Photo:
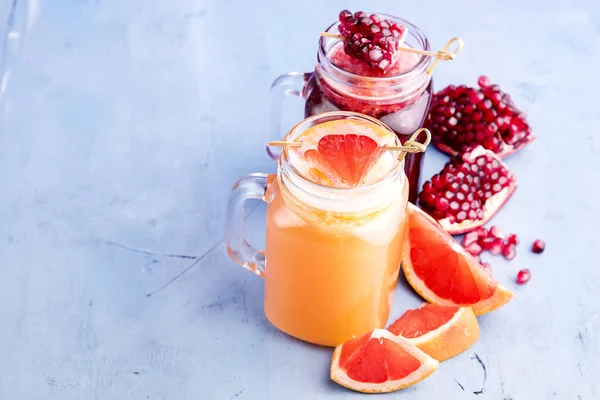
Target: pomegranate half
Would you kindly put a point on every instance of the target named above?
(462, 117)
(469, 190)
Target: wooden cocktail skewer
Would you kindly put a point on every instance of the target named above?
(282, 143)
(443, 55)
(410, 146)
(446, 51)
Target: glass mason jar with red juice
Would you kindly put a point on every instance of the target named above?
(400, 97)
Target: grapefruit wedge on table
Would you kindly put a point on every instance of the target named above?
(379, 362)
(442, 272)
(440, 331)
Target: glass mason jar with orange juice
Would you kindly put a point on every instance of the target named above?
(334, 231)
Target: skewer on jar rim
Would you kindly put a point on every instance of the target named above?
(445, 54)
(412, 145)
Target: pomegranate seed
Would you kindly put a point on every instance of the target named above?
(496, 232)
(513, 239)
(345, 15)
(469, 238)
(523, 276)
(370, 38)
(473, 249)
(477, 183)
(497, 246)
(538, 246)
(483, 80)
(480, 232)
(483, 116)
(509, 251)
(442, 203)
(487, 242)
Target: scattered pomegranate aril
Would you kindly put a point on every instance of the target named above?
(371, 38)
(486, 243)
(512, 239)
(476, 183)
(481, 232)
(538, 246)
(462, 116)
(523, 276)
(509, 251)
(496, 232)
(473, 249)
(497, 246)
(471, 237)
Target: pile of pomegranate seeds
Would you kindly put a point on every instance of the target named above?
(491, 240)
(371, 38)
(462, 116)
(468, 191)
(538, 246)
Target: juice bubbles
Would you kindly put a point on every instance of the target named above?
(333, 249)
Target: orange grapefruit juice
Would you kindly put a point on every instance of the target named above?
(333, 257)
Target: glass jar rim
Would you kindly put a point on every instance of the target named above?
(418, 69)
(287, 167)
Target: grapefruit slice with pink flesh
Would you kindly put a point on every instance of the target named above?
(440, 331)
(442, 272)
(379, 362)
(350, 156)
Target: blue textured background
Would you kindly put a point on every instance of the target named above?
(123, 126)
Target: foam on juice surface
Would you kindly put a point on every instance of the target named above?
(345, 201)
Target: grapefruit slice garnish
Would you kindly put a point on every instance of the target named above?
(348, 157)
(379, 362)
(440, 331)
(320, 172)
(442, 272)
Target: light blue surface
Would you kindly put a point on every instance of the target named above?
(124, 125)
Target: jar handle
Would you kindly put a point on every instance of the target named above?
(252, 186)
(290, 84)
